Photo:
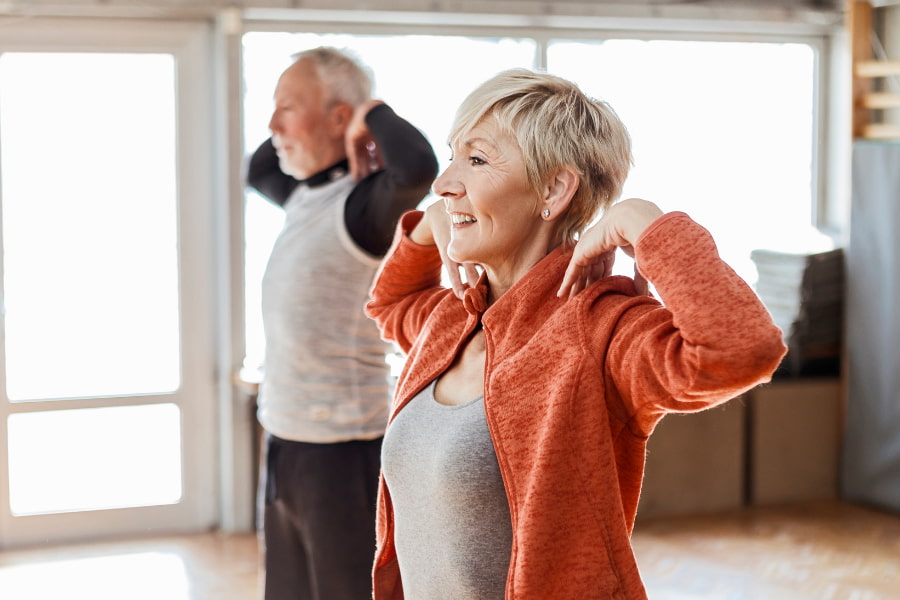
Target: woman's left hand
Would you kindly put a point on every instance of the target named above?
(594, 253)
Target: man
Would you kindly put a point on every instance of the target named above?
(349, 166)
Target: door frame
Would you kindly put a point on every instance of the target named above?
(198, 396)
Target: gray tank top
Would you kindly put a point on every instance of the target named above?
(452, 526)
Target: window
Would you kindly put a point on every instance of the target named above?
(89, 239)
(721, 130)
(90, 264)
(724, 131)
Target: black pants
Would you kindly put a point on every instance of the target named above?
(318, 510)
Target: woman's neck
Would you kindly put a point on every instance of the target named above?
(501, 279)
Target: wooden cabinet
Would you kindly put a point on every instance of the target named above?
(777, 444)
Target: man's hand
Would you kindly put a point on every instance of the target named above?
(362, 152)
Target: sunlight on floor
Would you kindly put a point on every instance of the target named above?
(140, 576)
(204, 566)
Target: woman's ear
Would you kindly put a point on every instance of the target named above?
(559, 191)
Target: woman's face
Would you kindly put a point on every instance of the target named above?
(493, 209)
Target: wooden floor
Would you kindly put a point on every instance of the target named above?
(809, 552)
(819, 551)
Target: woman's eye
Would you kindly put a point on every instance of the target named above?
(474, 160)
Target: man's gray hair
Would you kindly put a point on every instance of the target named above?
(345, 78)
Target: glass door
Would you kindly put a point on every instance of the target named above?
(106, 378)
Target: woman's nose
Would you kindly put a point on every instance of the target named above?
(446, 184)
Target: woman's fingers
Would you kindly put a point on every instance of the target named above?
(583, 270)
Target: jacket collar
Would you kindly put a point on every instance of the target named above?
(531, 299)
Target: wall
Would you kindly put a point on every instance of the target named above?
(774, 10)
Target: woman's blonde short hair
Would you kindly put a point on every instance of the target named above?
(555, 125)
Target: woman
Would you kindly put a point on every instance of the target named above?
(513, 461)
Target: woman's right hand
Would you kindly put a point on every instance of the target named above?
(434, 228)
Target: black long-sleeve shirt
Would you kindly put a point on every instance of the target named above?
(377, 201)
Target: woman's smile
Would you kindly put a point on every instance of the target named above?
(459, 219)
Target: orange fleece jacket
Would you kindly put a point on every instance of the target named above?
(573, 388)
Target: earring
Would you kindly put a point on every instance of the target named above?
(546, 213)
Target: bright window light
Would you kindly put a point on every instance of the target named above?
(721, 131)
(90, 248)
(100, 458)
